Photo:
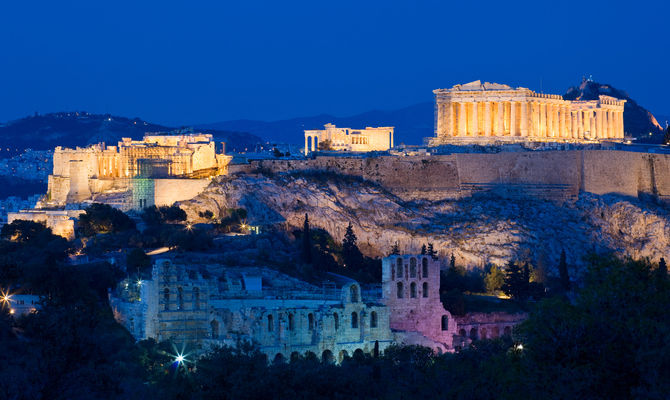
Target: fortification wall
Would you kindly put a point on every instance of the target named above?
(168, 191)
(554, 175)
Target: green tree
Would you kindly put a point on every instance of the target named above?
(306, 241)
(516, 281)
(563, 272)
(452, 262)
(351, 255)
(395, 251)
(662, 267)
(102, 218)
(494, 280)
(431, 251)
(138, 260)
(423, 249)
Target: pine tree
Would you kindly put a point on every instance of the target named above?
(662, 268)
(306, 242)
(563, 272)
(516, 281)
(350, 253)
(423, 250)
(431, 251)
(452, 263)
(395, 251)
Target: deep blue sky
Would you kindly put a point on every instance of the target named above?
(204, 61)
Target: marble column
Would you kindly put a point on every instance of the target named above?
(500, 127)
(524, 118)
(487, 118)
(610, 124)
(461, 119)
(561, 127)
(599, 124)
(475, 119)
(543, 119)
(512, 118)
(621, 128)
(450, 125)
(580, 125)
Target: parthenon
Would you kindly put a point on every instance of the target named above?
(487, 112)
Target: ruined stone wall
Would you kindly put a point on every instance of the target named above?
(554, 175)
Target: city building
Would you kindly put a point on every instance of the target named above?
(486, 112)
(347, 139)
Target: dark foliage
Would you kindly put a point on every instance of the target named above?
(165, 214)
(102, 218)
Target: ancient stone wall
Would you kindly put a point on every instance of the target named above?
(553, 175)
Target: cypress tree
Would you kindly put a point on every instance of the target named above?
(423, 249)
(306, 242)
(395, 251)
(452, 263)
(431, 251)
(662, 268)
(350, 253)
(516, 281)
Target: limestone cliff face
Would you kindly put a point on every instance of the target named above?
(477, 230)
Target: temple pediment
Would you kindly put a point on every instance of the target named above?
(478, 86)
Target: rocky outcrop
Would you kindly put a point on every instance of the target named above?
(477, 230)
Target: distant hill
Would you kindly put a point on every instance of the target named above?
(71, 129)
(412, 124)
(638, 121)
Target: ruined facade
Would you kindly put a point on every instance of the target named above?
(347, 139)
(486, 112)
(213, 305)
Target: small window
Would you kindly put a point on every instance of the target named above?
(166, 298)
(290, 322)
(412, 290)
(412, 267)
(196, 298)
(400, 290)
(424, 289)
(310, 321)
(445, 323)
(354, 320)
(336, 319)
(373, 319)
(180, 298)
(399, 274)
(354, 293)
(424, 265)
(271, 324)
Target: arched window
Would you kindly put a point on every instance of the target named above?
(196, 298)
(424, 265)
(412, 290)
(373, 319)
(354, 293)
(336, 318)
(354, 320)
(412, 267)
(166, 298)
(290, 322)
(462, 332)
(445, 323)
(310, 321)
(424, 289)
(180, 298)
(271, 324)
(399, 275)
(473, 333)
(483, 333)
(400, 290)
(215, 329)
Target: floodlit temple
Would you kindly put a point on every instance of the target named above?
(490, 112)
(347, 139)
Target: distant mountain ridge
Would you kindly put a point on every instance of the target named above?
(80, 128)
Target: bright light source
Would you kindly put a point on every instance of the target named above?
(179, 359)
(519, 347)
(189, 227)
(11, 311)
(139, 282)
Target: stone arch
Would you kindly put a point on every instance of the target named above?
(373, 319)
(291, 322)
(354, 320)
(483, 333)
(424, 289)
(279, 359)
(271, 324)
(445, 323)
(310, 321)
(295, 356)
(214, 326)
(400, 290)
(196, 298)
(495, 332)
(412, 290)
(327, 357)
(507, 331)
(424, 267)
(166, 299)
(342, 356)
(462, 332)
(336, 320)
(353, 293)
(473, 333)
(412, 267)
(399, 273)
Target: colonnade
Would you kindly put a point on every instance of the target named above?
(546, 116)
